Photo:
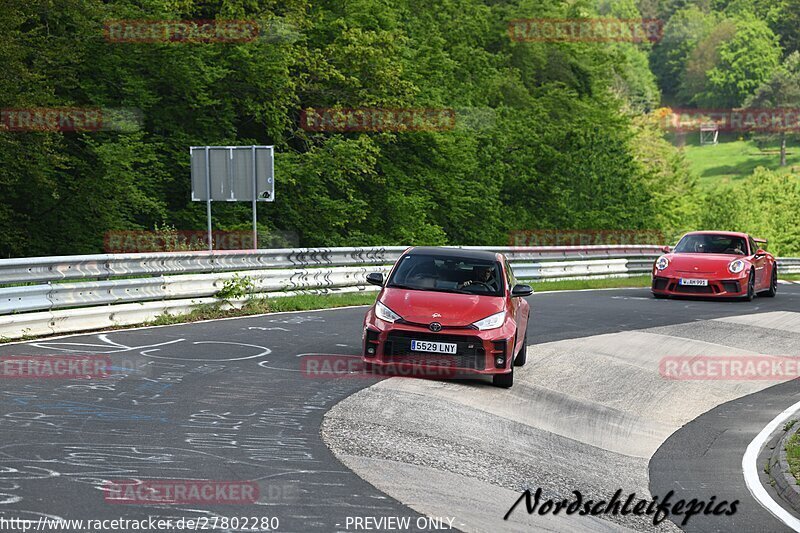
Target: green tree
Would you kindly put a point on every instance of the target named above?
(742, 63)
(781, 90)
(765, 204)
(682, 33)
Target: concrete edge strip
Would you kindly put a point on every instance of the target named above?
(750, 470)
(785, 482)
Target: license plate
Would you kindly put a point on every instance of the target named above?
(695, 282)
(434, 347)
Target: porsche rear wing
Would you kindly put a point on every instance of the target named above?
(762, 243)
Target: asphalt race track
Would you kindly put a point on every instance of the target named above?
(228, 400)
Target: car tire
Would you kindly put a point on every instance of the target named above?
(504, 381)
(773, 284)
(522, 356)
(751, 287)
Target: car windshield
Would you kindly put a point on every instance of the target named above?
(712, 244)
(448, 274)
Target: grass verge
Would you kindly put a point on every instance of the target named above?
(789, 277)
(259, 306)
(793, 454)
(305, 302)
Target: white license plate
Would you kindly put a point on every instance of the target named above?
(435, 347)
(696, 282)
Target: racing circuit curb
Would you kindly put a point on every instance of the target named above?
(785, 483)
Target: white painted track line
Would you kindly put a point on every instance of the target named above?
(750, 470)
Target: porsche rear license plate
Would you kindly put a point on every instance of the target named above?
(435, 347)
(695, 282)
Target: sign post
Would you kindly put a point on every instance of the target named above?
(233, 174)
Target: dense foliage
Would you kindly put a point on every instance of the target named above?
(543, 140)
(548, 134)
(766, 204)
(730, 54)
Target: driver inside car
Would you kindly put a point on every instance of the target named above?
(481, 276)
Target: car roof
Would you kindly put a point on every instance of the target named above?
(726, 233)
(462, 253)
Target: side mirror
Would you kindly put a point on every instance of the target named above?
(521, 290)
(666, 249)
(375, 278)
(761, 252)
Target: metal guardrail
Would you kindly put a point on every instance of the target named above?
(789, 265)
(128, 278)
(64, 293)
(109, 266)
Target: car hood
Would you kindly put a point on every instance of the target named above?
(454, 309)
(701, 263)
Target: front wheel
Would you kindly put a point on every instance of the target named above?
(751, 287)
(522, 356)
(773, 284)
(504, 380)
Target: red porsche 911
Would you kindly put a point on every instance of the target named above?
(458, 309)
(716, 264)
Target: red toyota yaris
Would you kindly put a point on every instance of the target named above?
(716, 264)
(452, 308)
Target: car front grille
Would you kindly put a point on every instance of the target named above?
(469, 351)
(694, 289)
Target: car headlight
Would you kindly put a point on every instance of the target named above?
(736, 266)
(384, 313)
(662, 263)
(491, 322)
